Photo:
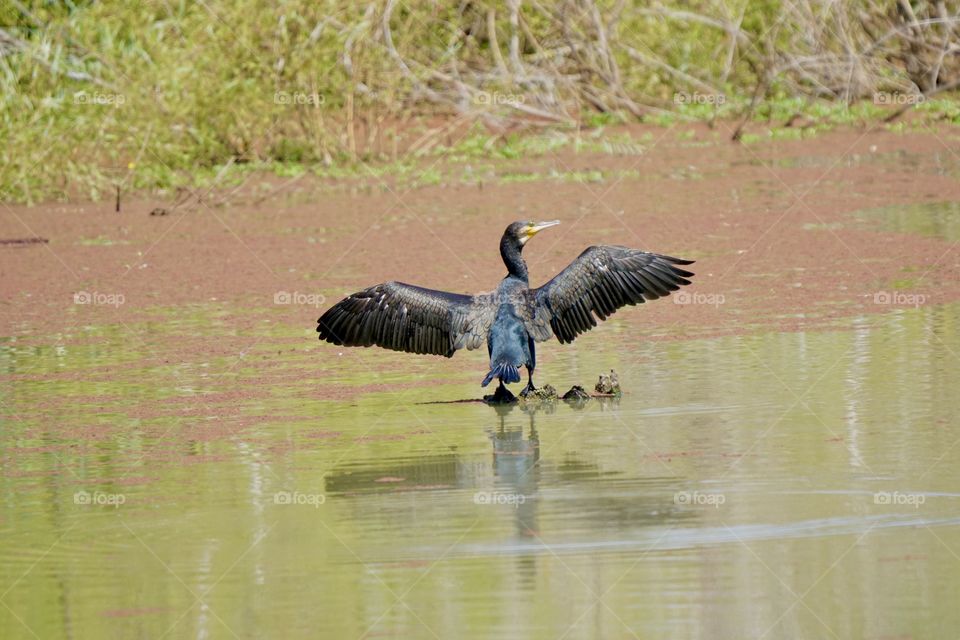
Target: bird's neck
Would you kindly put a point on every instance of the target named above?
(510, 252)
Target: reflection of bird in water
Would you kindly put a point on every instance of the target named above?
(515, 466)
(509, 447)
(510, 320)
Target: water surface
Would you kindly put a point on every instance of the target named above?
(770, 485)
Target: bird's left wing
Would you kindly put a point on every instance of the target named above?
(405, 317)
(601, 280)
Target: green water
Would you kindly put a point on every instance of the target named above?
(770, 485)
(936, 219)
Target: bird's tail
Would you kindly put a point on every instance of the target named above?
(505, 371)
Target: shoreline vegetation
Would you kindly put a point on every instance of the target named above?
(97, 98)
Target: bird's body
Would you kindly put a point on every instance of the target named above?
(511, 319)
(508, 342)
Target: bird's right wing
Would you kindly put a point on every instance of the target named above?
(405, 317)
(601, 280)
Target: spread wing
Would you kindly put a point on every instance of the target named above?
(404, 317)
(601, 280)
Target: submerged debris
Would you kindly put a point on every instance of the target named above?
(608, 385)
(22, 242)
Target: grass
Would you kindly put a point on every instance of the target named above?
(458, 162)
(409, 172)
(156, 96)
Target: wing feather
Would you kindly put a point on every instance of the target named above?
(601, 280)
(404, 317)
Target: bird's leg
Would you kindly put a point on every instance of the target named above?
(530, 366)
(527, 390)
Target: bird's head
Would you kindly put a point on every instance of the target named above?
(520, 232)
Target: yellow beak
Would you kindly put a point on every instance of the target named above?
(534, 229)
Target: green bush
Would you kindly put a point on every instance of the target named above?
(155, 93)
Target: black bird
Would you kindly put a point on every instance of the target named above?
(511, 319)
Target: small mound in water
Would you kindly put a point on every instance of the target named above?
(608, 385)
(546, 392)
(576, 394)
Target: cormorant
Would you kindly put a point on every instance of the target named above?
(511, 319)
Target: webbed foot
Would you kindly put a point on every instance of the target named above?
(502, 395)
